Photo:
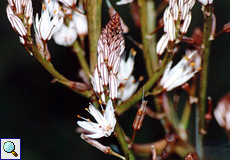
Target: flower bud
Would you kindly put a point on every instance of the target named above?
(206, 2)
(226, 27)
(112, 86)
(186, 23)
(222, 112)
(104, 74)
(17, 25)
(171, 28)
(97, 81)
(162, 44)
(138, 121)
(78, 86)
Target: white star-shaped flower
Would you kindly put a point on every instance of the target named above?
(179, 74)
(105, 122)
(47, 25)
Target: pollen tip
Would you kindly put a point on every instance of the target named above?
(100, 101)
(78, 116)
(86, 109)
(199, 69)
(43, 6)
(141, 78)
(192, 64)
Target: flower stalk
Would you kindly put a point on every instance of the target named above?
(200, 110)
(81, 58)
(49, 67)
(94, 25)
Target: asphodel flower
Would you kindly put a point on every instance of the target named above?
(105, 122)
(122, 2)
(206, 2)
(222, 112)
(47, 25)
(179, 74)
(68, 3)
(66, 35)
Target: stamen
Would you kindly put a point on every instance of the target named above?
(141, 78)
(43, 6)
(100, 101)
(192, 64)
(78, 116)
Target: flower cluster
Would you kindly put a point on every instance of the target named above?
(20, 15)
(177, 18)
(127, 83)
(110, 48)
(77, 21)
(104, 79)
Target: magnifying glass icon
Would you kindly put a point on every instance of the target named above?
(9, 147)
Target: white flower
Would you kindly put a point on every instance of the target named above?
(205, 2)
(81, 23)
(68, 3)
(179, 74)
(130, 87)
(121, 2)
(45, 27)
(105, 122)
(222, 112)
(66, 35)
(53, 6)
(126, 68)
(162, 44)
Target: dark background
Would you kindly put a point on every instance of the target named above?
(44, 115)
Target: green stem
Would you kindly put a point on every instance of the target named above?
(149, 84)
(80, 55)
(128, 153)
(94, 25)
(49, 67)
(151, 24)
(186, 115)
(203, 80)
(144, 33)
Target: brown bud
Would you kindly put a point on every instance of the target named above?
(78, 86)
(226, 27)
(139, 116)
(189, 156)
(197, 36)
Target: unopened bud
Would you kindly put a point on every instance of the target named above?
(222, 112)
(78, 86)
(162, 44)
(138, 121)
(226, 27)
(189, 156)
(206, 2)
